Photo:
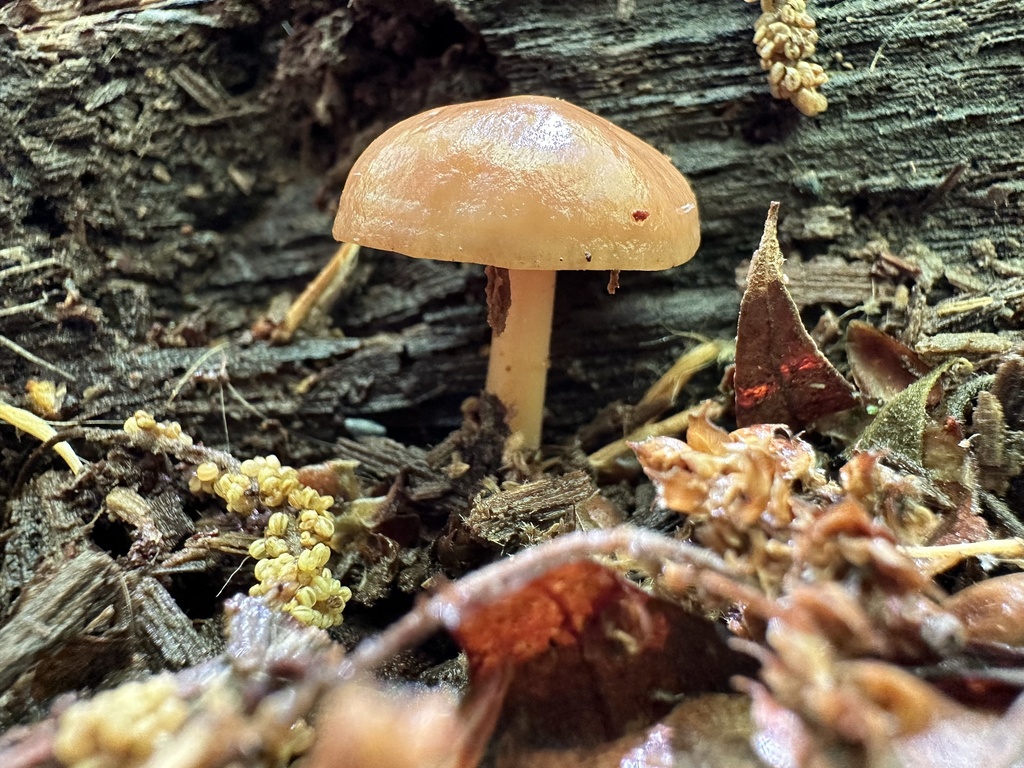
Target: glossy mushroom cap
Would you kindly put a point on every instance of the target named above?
(526, 182)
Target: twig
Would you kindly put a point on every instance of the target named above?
(994, 548)
(58, 439)
(1001, 548)
(19, 308)
(20, 350)
(39, 429)
(224, 419)
(206, 355)
(193, 454)
(666, 389)
(240, 398)
(603, 459)
(949, 181)
(326, 283)
(21, 269)
(892, 32)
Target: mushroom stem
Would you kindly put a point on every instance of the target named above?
(518, 368)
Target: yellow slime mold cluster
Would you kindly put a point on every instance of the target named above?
(144, 422)
(292, 556)
(785, 37)
(294, 550)
(120, 728)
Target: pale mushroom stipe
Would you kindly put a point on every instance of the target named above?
(527, 185)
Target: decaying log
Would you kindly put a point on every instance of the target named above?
(920, 140)
(167, 156)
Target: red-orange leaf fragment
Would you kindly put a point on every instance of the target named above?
(587, 657)
(781, 376)
(549, 612)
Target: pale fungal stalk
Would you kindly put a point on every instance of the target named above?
(518, 365)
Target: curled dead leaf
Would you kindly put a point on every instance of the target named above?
(899, 428)
(583, 642)
(739, 488)
(882, 366)
(992, 610)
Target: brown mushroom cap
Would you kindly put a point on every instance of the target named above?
(526, 182)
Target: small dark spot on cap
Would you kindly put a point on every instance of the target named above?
(587, 256)
(639, 216)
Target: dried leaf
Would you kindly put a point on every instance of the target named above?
(738, 488)
(549, 612)
(586, 644)
(781, 376)
(897, 498)
(992, 610)
(882, 366)
(898, 429)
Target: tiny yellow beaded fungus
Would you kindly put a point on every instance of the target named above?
(142, 421)
(236, 491)
(785, 37)
(292, 555)
(122, 727)
(310, 594)
(277, 525)
(202, 481)
(294, 550)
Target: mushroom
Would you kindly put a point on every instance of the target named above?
(527, 185)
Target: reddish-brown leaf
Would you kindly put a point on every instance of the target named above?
(588, 657)
(548, 613)
(781, 376)
(882, 366)
(992, 610)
